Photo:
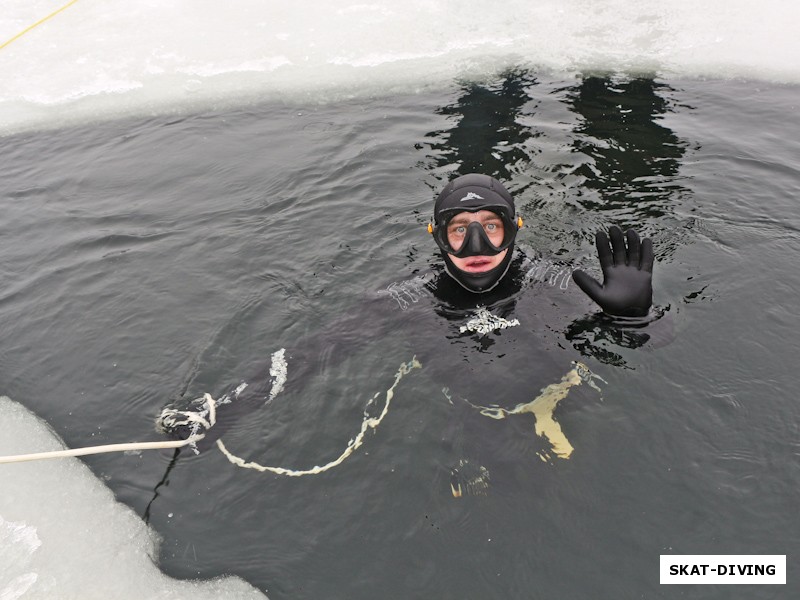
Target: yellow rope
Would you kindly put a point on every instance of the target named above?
(39, 22)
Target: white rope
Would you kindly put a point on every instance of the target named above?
(95, 450)
(367, 424)
(200, 422)
(197, 419)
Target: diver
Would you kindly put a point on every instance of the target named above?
(475, 225)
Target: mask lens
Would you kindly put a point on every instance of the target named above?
(476, 237)
(465, 233)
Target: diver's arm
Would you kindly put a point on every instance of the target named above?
(627, 289)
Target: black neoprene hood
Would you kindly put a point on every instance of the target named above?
(472, 192)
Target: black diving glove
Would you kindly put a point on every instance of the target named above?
(627, 289)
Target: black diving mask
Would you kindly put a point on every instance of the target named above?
(476, 240)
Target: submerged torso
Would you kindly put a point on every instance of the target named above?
(501, 360)
(501, 346)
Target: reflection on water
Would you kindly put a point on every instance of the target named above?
(601, 337)
(624, 161)
(630, 159)
(487, 135)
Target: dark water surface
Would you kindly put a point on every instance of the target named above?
(143, 261)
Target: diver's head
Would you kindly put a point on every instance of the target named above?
(475, 226)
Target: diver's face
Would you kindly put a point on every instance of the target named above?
(456, 232)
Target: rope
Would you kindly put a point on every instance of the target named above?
(95, 450)
(39, 22)
(197, 421)
(200, 421)
(367, 424)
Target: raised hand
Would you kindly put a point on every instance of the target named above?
(627, 288)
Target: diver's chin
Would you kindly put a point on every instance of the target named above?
(478, 264)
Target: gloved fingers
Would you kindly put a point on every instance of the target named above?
(648, 258)
(590, 286)
(617, 245)
(603, 250)
(634, 247)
